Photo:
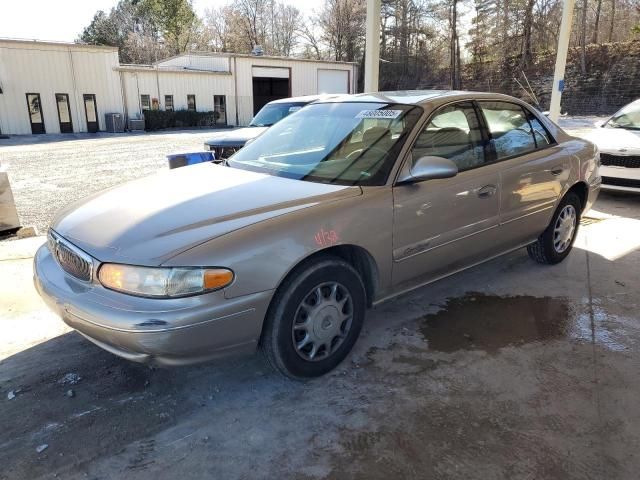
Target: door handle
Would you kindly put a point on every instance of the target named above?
(557, 171)
(486, 191)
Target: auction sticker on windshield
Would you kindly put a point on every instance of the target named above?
(379, 114)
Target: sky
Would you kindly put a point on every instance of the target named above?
(64, 20)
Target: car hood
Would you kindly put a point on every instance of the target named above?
(150, 220)
(237, 137)
(615, 141)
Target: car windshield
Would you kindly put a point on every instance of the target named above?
(628, 117)
(337, 143)
(274, 112)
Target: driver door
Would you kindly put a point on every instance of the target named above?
(444, 225)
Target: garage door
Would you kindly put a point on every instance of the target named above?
(333, 81)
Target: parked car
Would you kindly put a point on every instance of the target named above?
(618, 140)
(340, 206)
(225, 144)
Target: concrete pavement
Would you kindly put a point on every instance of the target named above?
(510, 370)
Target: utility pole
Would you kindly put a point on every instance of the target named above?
(561, 59)
(372, 51)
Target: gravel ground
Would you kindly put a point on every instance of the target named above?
(510, 370)
(49, 172)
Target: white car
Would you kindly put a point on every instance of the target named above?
(618, 140)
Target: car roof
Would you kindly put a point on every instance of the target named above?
(415, 97)
(303, 99)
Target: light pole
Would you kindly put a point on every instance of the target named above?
(372, 50)
(561, 59)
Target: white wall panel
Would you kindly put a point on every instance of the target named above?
(304, 78)
(47, 69)
(333, 81)
(198, 62)
(270, 72)
(159, 83)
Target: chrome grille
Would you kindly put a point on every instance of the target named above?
(222, 153)
(71, 259)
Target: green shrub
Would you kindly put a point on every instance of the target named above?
(159, 119)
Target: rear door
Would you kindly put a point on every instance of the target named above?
(441, 226)
(534, 170)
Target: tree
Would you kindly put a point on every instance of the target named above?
(175, 21)
(285, 25)
(454, 46)
(343, 25)
(128, 27)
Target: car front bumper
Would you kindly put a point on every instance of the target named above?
(176, 331)
(620, 178)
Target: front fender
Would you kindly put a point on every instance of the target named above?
(262, 254)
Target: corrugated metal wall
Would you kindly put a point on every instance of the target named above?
(303, 78)
(157, 84)
(47, 69)
(198, 62)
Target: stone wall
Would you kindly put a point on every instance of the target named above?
(612, 79)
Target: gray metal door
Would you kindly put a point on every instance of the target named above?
(91, 112)
(64, 113)
(34, 107)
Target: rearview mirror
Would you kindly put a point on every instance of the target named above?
(430, 168)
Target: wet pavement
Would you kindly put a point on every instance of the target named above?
(510, 370)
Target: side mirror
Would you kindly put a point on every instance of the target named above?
(599, 123)
(430, 168)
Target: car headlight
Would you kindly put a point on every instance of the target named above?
(163, 282)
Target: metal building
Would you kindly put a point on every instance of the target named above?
(57, 87)
(62, 88)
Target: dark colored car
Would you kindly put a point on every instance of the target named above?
(225, 144)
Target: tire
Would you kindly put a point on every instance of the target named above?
(556, 241)
(331, 326)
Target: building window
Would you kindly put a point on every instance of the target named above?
(191, 103)
(220, 109)
(168, 103)
(145, 102)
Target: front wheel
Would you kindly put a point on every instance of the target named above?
(314, 319)
(556, 241)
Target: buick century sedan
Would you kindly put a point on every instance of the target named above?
(340, 206)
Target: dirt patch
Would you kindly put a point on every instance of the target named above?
(81, 405)
(486, 322)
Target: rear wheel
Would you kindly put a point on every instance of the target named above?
(556, 241)
(314, 319)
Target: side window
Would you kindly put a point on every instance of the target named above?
(145, 102)
(191, 103)
(168, 103)
(540, 134)
(453, 133)
(511, 132)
